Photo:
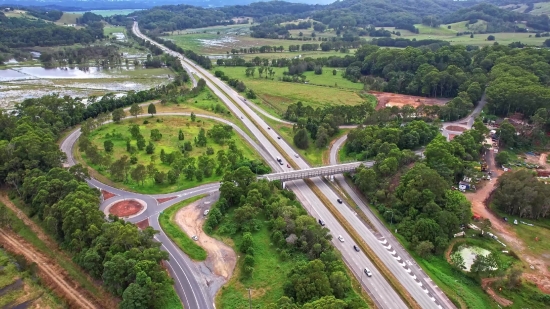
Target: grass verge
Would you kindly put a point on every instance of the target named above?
(396, 285)
(182, 240)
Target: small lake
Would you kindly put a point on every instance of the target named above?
(469, 253)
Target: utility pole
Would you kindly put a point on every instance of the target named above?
(249, 297)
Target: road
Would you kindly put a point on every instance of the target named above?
(465, 123)
(377, 286)
(385, 235)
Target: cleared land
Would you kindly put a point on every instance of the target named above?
(274, 96)
(388, 99)
(125, 208)
(169, 128)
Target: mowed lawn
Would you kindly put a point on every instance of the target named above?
(275, 96)
(169, 142)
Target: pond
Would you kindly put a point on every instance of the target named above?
(469, 254)
(61, 72)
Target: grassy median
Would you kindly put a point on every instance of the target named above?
(182, 240)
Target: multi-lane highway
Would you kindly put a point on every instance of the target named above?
(378, 287)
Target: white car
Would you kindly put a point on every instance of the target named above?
(367, 272)
(340, 238)
(195, 237)
(206, 212)
(296, 155)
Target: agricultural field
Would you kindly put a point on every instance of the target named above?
(19, 285)
(274, 96)
(108, 30)
(68, 18)
(541, 8)
(169, 127)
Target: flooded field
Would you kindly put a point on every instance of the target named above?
(19, 83)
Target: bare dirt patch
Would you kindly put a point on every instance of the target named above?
(221, 258)
(451, 136)
(455, 128)
(143, 224)
(387, 99)
(125, 208)
(486, 284)
(107, 195)
(165, 199)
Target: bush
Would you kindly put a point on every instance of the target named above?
(491, 38)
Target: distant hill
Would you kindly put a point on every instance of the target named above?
(499, 19)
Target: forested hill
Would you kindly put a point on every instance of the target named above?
(384, 12)
(499, 18)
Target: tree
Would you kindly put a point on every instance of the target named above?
(458, 261)
(136, 110)
(491, 38)
(301, 139)
(339, 283)
(193, 116)
(108, 145)
(502, 157)
(151, 109)
(327, 302)
(134, 131)
(139, 173)
(424, 248)
(247, 242)
(322, 138)
(140, 142)
(181, 137)
(484, 225)
(334, 72)
(484, 264)
(156, 135)
(150, 149)
(201, 139)
(118, 114)
(514, 279)
(219, 133)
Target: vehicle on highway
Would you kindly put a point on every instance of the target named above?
(367, 272)
(339, 201)
(279, 159)
(206, 212)
(340, 238)
(281, 162)
(288, 165)
(278, 137)
(241, 117)
(195, 237)
(268, 128)
(296, 155)
(321, 222)
(356, 248)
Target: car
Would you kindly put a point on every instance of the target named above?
(339, 201)
(206, 212)
(241, 117)
(356, 248)
(505, 219)
(278, 137)
(195, 237)
(288, 165)
(321, 222)
(281, 162)
(296, 155)
(340, 238)
(268, 128)
(367, 272)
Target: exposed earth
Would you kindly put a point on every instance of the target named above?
(480, 199)
(125, 208)
(107, 195)
(386, 99)
(221, 258)
(165, 199)
(455, 128)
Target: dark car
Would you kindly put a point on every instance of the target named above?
(339, 201)
(281, 162)
(356, 248)
(321, 222)
(278, 137)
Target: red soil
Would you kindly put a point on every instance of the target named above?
(165, 199)
(107, 195)
(125, 208)
(451, 136)
(455, 128)
(143, 224)
(399, 100)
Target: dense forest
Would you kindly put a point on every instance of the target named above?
(21, 32)
(177, 17)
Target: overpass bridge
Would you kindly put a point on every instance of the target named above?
(316, 171)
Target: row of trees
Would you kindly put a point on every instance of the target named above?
(108, 56)
(246, 205)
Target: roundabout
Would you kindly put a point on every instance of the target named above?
(127, 208)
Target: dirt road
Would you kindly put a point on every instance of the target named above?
(105, 301)
(51, 274)
(221, 258)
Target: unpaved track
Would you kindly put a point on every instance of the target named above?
(17, 245)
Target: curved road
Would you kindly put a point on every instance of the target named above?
(378, 287)
(193, 293)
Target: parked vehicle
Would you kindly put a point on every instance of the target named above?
(206, 212)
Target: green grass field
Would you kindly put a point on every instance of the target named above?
(268, 278)
(68, 18)
(108, 30)
(274, 96)
(179, 237)
(541, 8)
(169, 142)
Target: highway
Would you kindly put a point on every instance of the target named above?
(379, 289)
